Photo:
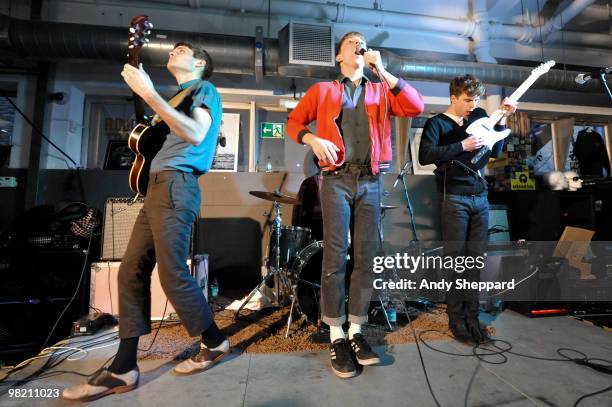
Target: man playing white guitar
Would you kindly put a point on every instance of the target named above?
(464, 208)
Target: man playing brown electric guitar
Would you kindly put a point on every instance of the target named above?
(163, 227)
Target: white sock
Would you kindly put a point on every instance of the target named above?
(128, 377)
(221, 347)
(354, 329)
(336, 332)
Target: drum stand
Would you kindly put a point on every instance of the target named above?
(274, 271)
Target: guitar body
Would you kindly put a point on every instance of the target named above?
(477, 121)
(145, 141)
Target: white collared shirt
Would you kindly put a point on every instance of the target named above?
(456, 119)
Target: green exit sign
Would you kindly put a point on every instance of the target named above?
(272, 130)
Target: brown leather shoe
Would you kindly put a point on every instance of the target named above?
(103, 383)
(204, 360)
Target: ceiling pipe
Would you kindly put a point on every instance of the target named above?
(561, 19)
(236, 54)
(491, 74)
(481, 44)
(341, 13)
(532, 33)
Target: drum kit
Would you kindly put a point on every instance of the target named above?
(289, 252)
(294, 263)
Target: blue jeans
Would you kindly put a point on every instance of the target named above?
(344, 191)
(162, 234)
(465, 224)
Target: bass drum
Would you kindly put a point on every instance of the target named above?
(308, 268)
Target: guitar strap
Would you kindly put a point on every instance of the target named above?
(175, 101)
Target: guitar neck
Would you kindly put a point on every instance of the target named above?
(514, 97)
(520, 91)
(139, 105)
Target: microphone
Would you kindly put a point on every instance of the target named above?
(583, 78)
(362, 51)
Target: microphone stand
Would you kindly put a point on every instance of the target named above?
(602, 77)
(402, 177)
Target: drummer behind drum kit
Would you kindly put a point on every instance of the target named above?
(289, 252)
(295, 261)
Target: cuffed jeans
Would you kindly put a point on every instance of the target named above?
(162, 233)
(341, 192)
(465, 223)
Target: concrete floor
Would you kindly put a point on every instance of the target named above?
(304, 379)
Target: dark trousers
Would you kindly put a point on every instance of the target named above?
(341, 192)
(465, 223)
(162, 234)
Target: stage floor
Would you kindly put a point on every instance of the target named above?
(305, 379)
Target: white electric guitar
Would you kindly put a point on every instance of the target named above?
(484, 127)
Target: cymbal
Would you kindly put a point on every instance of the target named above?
(275, 196)
(385, 207)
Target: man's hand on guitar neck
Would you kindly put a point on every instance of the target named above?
(138, 80)
(508, 107)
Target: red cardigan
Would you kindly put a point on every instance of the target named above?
(323, 103)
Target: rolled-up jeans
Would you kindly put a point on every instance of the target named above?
(162, 234)
(343, 191)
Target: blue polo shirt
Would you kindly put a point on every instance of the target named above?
(177, 154)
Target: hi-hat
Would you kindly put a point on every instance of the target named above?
(275, 196)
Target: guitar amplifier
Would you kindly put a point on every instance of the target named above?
(119, 217)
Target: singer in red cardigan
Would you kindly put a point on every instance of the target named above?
(353, 145)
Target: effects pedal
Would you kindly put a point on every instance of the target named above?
(89, 325)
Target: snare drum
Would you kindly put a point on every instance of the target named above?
(292, 240)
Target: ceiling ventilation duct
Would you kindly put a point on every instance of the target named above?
(306, 50)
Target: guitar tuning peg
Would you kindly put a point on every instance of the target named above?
(150, 25)
(132, 38)
(131, 46)
(132, 30)
(146, 40)
(148, 32)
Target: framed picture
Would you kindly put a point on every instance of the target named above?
(118, 155)
(226, 156)
(415, 142)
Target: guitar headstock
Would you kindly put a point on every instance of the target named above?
(543, 68)
(140, 29)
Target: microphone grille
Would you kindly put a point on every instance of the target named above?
(580, 79)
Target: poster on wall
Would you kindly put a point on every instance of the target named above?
(226, 157)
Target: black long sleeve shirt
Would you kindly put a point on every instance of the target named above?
(441, 144)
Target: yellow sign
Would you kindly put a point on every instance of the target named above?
(522, 182)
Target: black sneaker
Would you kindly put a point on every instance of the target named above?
(476, 332)
(460, 331)
(363, 351)
(341, 359)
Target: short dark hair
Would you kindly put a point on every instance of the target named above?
(199, 53)
(346, 36)
(468, 84)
